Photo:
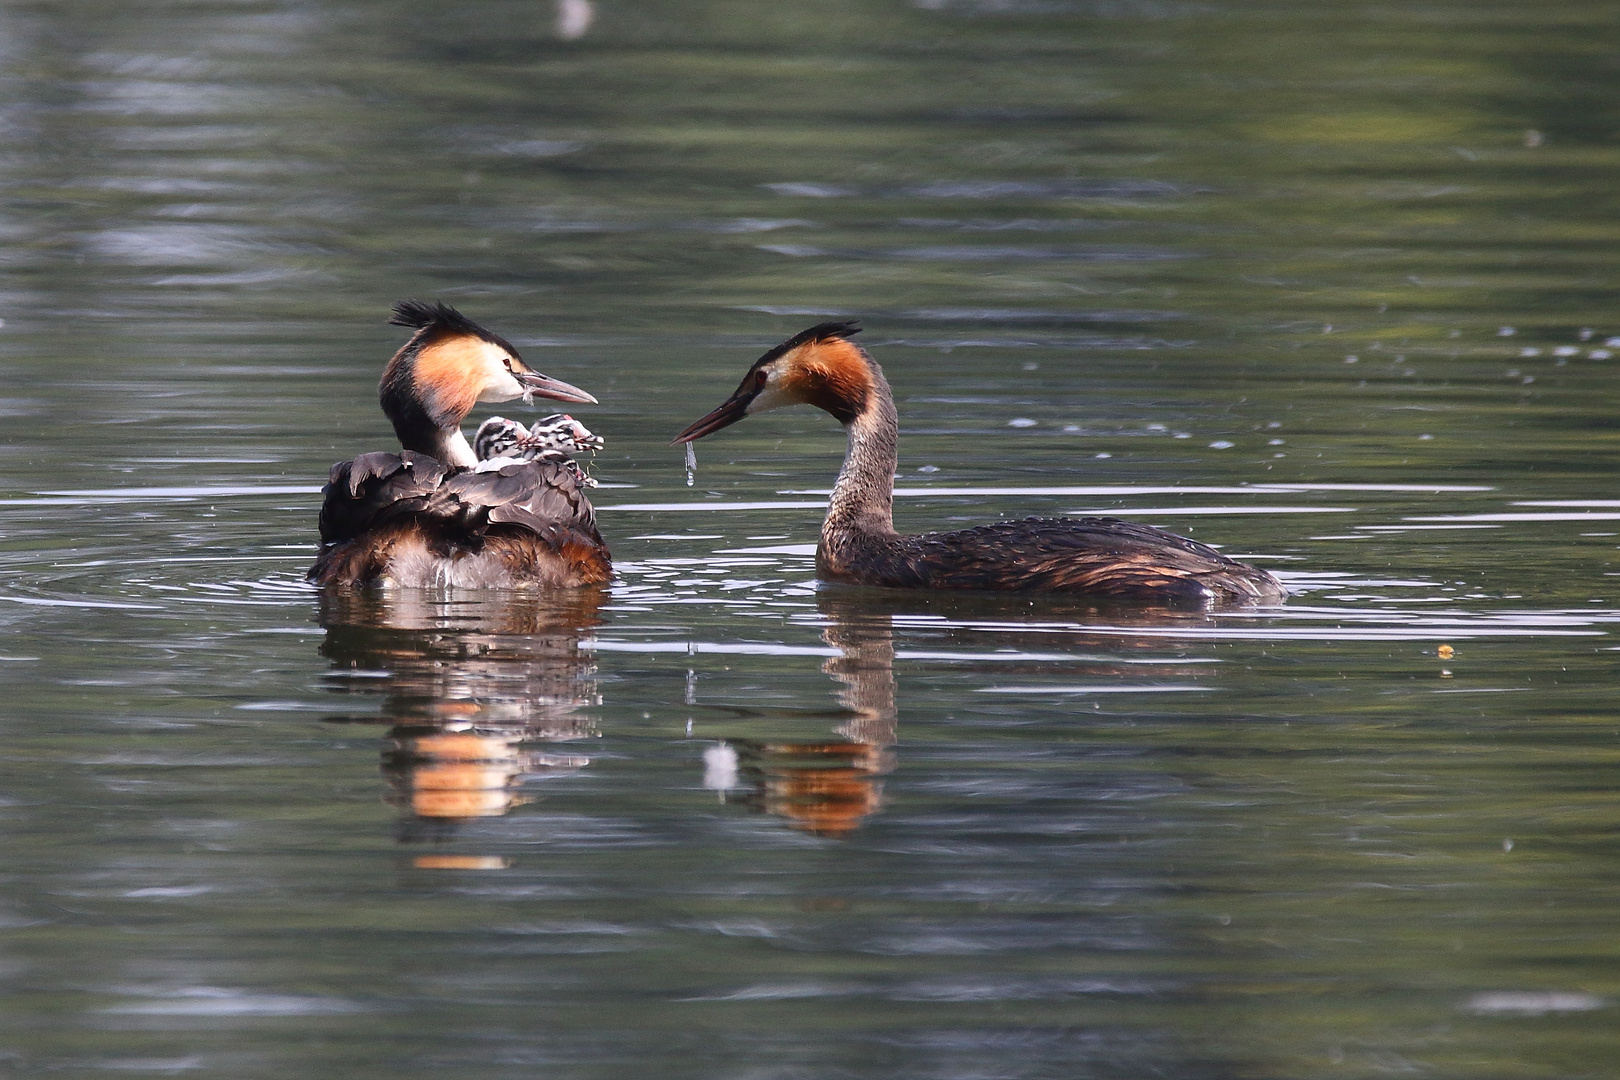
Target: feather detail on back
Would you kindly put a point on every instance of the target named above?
(406, 519)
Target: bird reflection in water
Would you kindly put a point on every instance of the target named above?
(478, 692)
(826, 787)
(831, 788)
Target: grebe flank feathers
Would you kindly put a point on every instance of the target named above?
(430, 516)
(1104, 558)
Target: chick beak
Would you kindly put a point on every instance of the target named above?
(537, 385)
(732, 410)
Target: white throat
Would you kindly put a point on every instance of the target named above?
(455, 451)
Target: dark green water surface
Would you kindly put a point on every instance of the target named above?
(1330, 285)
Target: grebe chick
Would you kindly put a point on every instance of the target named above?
(555, 438)
(431, 516)
(1103, 558)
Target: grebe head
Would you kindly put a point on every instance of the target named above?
(451, 363)
(819, 366)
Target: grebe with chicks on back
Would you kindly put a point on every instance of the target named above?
(434, 514)
(1098, 557)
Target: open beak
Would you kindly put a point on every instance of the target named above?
(733, 410)
(537, 385)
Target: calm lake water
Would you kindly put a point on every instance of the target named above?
(1332, 286)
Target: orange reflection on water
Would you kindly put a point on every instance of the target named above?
(460, 862)
(825, 787)
(477, 690)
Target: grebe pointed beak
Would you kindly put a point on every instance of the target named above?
(545, 386)
(733, 410)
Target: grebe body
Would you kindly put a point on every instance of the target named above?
(1104, 558)
(434, 515)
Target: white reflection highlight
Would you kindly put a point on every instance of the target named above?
(1532, 1002)
(1516, 517)
(574, 18)
(682, 507)
(1194, 511)
(1594, 503)
(758, 648)
(1171, 489)
(220, 1001)
(1093, 689)
(720, 767)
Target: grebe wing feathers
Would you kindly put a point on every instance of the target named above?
(1103, 557)
(536, 512)
(378, 488)
(374, 488)
(541, 496)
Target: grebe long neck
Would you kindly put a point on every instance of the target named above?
(419, 431)
(863, 498)
(450, 447)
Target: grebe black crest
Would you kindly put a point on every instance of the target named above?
(1103, 558)
(434, 515)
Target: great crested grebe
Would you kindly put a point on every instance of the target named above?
(433, 515)
(1104, 558)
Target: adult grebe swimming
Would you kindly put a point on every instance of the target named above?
(433, 515)
(1100, 557)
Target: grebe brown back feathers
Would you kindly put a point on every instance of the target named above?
(433, 515)
(1099, 557)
